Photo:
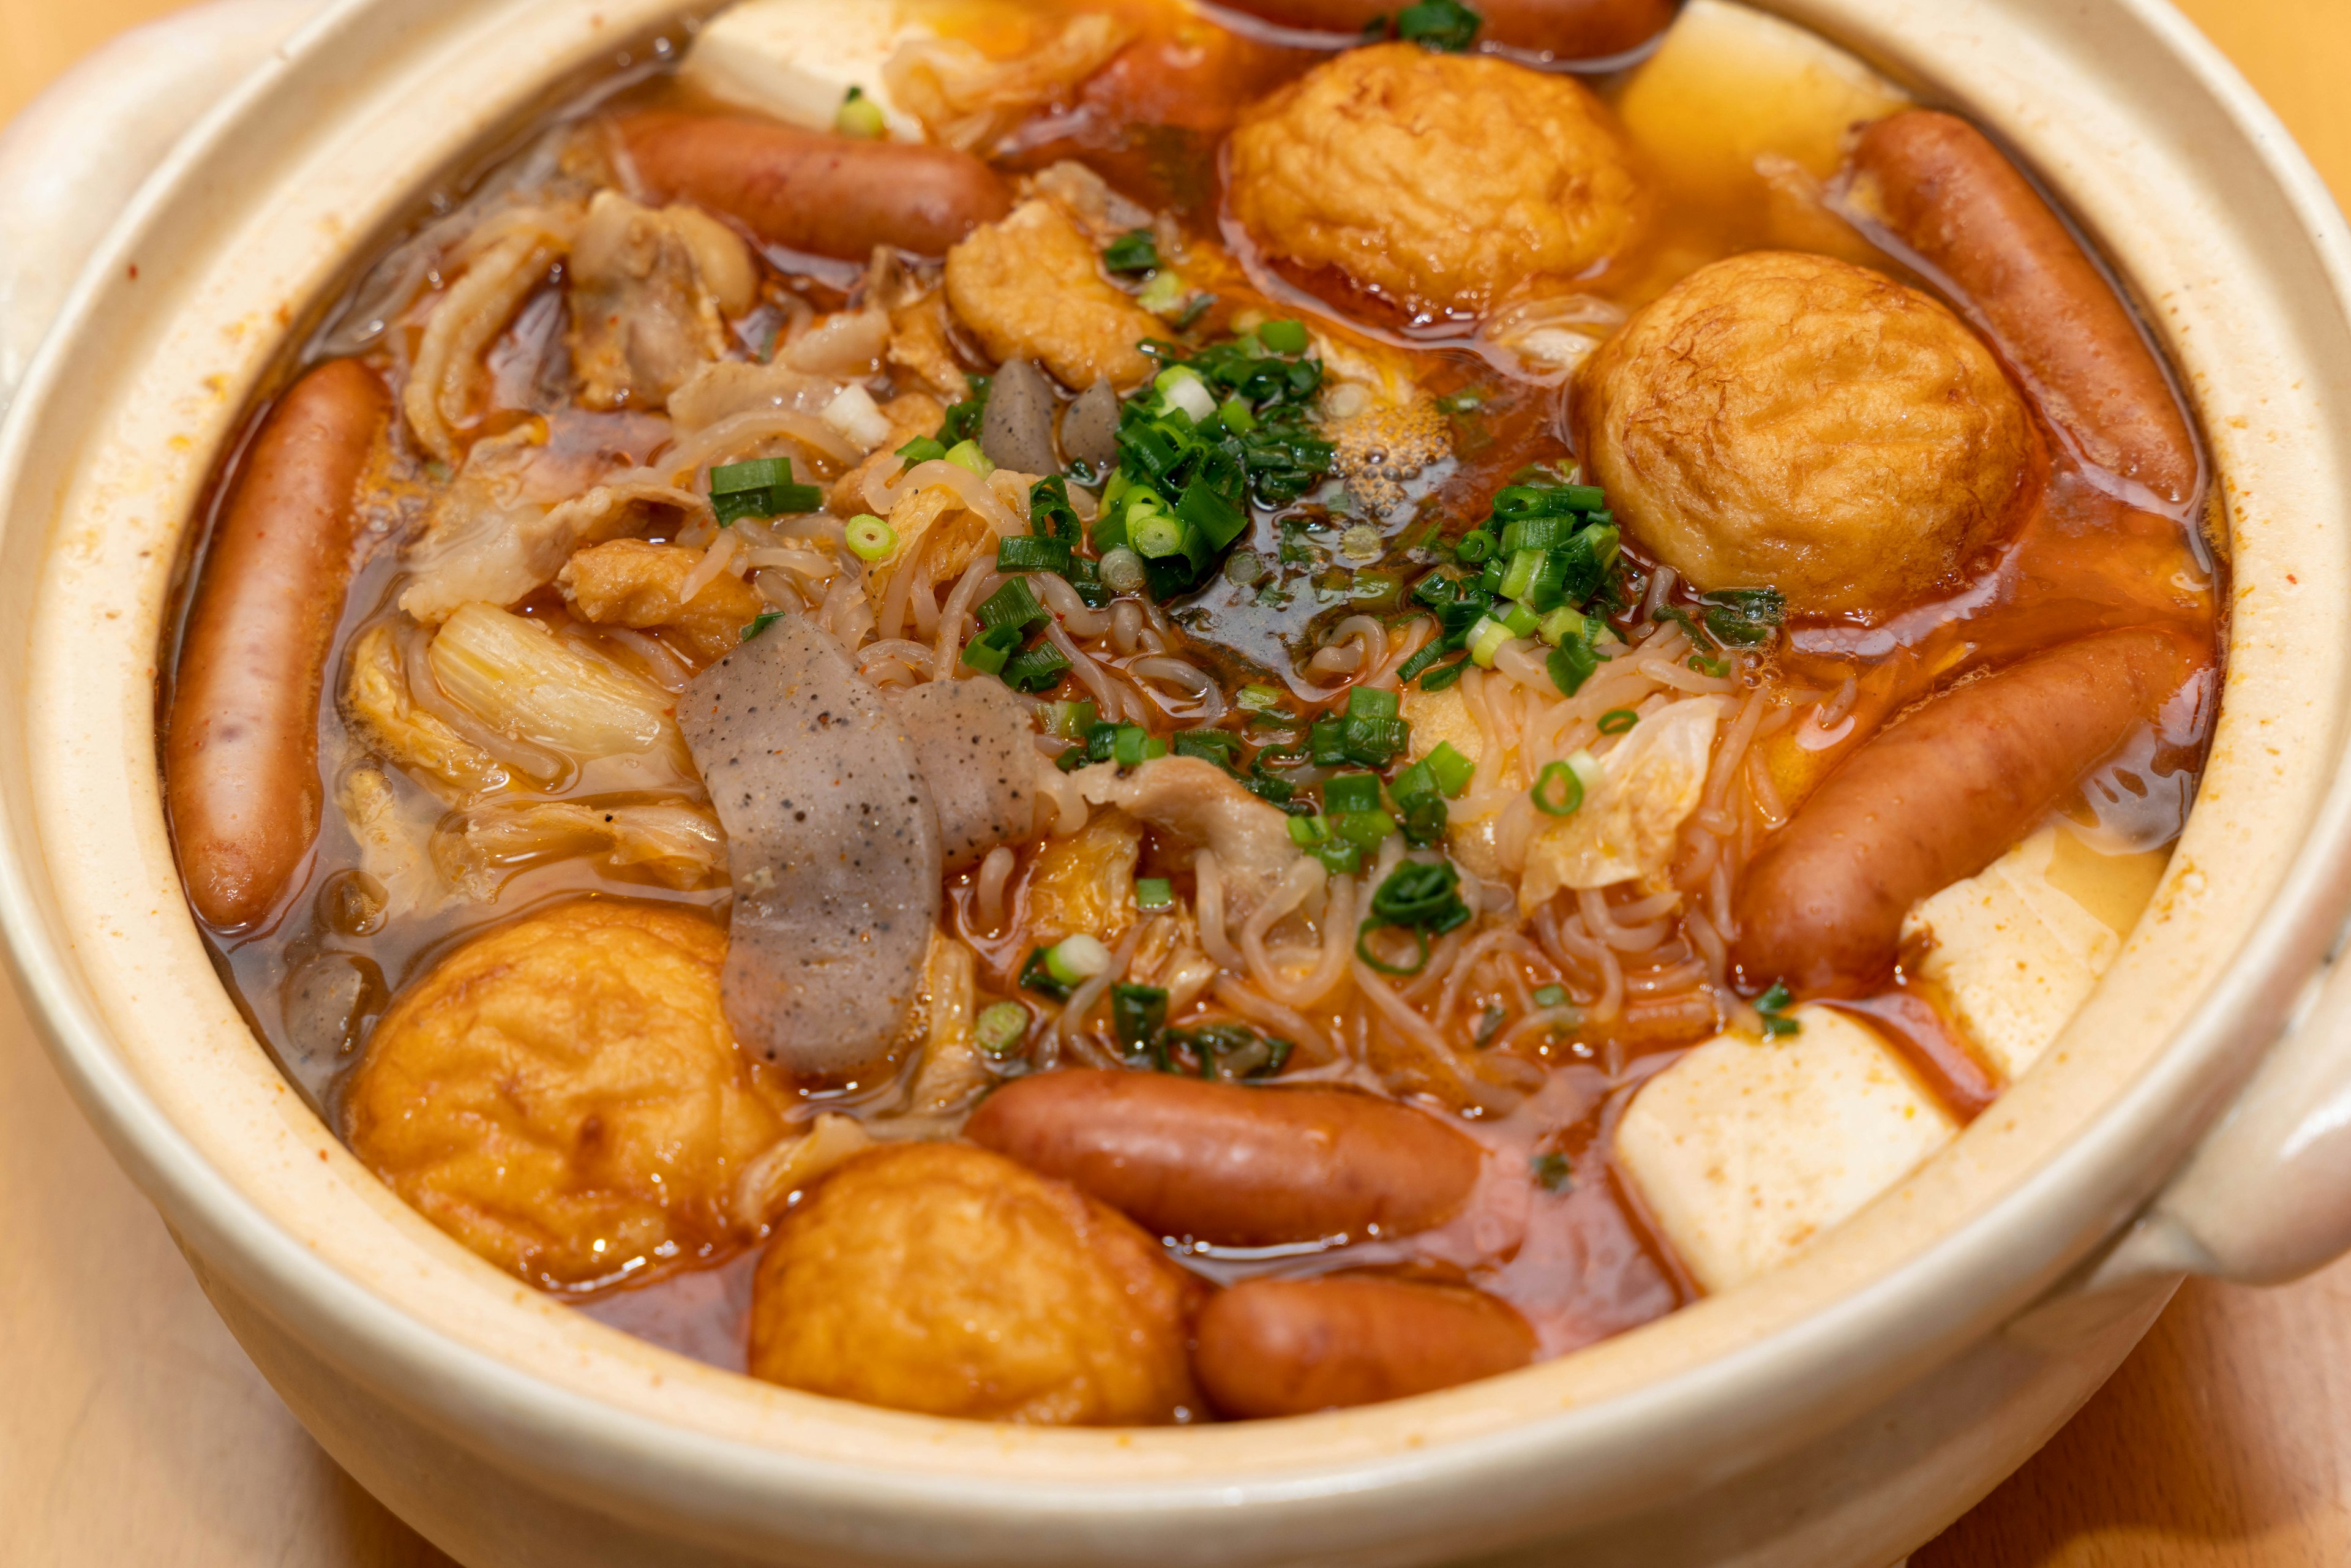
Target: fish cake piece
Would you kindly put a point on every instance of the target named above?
(563, 1097)
(942, 1279)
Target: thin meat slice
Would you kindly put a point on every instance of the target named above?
(833, 844)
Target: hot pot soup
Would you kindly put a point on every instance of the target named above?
(1102, 714)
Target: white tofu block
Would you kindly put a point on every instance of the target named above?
(2015, 949)
(1746, 1150)
(797, 60)
(1730, 84)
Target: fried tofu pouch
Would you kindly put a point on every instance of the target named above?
(944, 1280)
(1795, 421)
(564, 1097)
(1032, 287)
(1438, 182)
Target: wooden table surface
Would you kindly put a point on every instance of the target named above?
(136, 1433)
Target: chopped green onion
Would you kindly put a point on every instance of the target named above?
(1424, 895)
(1364, 830)
(990, 651)
(1413, 782)
(923, 449)
(1137, 1014)
(760, 623)
(1717, 668)
(1153, 893)
(1439, 679)
(1218, 745)
(1283, 337)
(1519, 572)
(1543, 534)
(1521, 621)
(1068, 721)
(1339, 857)
(869, 538)
(1040, 669)
(1371, 702)
(1308, 831)
(1002, 1028)
(1474, 547)
(1155, 535)
(1032, 553)
(1617, 720)
(1326, 745)
(1558, 793)
(760, 474)
(1134, 251)
(1233, 415)
(1486, 640)
(1562, 626)
(1588, 769)
(1774, 1006)
(860, 116)
(1165, 294)
(1014, 605)
(1259, 698)
(967, 454)
(1550, 996)
(1424, 820)
(1074, 960)
(1035, 976)
(1452, 771)
(1569, 665)
(1552, 1173)
(1133, 745)
(1123, 570)
(1351, 792)
(1445, 25)
(1183, 388)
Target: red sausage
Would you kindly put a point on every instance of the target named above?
(1947, 193)
(1230, 1166)
(241, 746)
(1564, 29)
(809, 190)
(1936, 798)
(1290, 1347)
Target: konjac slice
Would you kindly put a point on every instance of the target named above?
(833, 845)
(972, 739)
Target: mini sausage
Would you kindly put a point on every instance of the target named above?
(1936, 798)
(1564, 29)
(241, 742)
(1230, 1165)
(1947, 193)
(1290, 1347)
(809, 190)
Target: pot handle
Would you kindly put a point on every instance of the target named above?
(2266, 1197)
(72, 160)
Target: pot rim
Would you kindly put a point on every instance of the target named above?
(1964, 1279)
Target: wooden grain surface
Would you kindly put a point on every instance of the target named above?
(136, 1433)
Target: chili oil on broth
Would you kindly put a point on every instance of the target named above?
(1540, 1081)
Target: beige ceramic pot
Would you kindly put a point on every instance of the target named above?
(1835, 1413)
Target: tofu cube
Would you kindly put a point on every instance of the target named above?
(2017, 949)
(797, 60)
(1745, 1150)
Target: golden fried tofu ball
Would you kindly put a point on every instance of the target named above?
(943, 1279)
(1436, 180)
(1032, 287)
(1791, 421)
(563, 1095)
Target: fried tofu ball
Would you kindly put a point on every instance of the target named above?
(1435, 181)
(563, 1095)
(1791, 421)
(943, 1279)
(1032, 287)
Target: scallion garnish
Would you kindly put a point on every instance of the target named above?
(1039, 670)
(1774, 1006)
(762, 488)
(1137, 1014)
(760, 623)
(860, 116)
(1552, 1173)
(1153, 893)
(1558, 793)
(868, 537)
(1002, 1028)
(1134, 251)
(1617, 720)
